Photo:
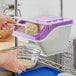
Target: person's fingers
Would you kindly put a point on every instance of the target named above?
(10, 20)
(3, 22)
(9, 25)
(18, 67)
(4, 19)
(16, 70)
(4, 26)
(0, 26)
(19, 71)
(14, 52)
(21, 67)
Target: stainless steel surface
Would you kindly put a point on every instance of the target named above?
(61, 8)
(16, 7)
(74, 52)
(16, 13)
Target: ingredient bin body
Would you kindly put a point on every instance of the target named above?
(54, 36)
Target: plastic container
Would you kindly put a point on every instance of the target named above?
(28, 56)
(65, 74)
(53, 37)
(41, 71)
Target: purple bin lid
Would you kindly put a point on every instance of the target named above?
(50, 23)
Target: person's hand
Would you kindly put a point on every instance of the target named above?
(6, 21)
(10, 62)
